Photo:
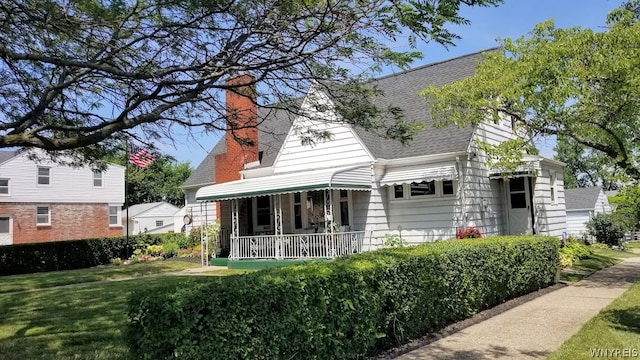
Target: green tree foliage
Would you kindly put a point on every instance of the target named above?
(160, 181)
(576, 83)
(605, 229)
(81, 75)
(586, 167)
(627, 207)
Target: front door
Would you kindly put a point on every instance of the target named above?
(6, 236)
(519, 202)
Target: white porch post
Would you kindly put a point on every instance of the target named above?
(277, 213)
(202, 250)
(234, 253)
(206, 230)
(328, 219)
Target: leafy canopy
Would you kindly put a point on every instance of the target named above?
(576, 83)
(82, 75)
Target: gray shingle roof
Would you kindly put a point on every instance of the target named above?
(401, 90)
(581, 198)
(6, 155)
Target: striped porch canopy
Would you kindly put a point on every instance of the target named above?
(407, 175)
(347, 178)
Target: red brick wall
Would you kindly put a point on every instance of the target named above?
(241, 112)
(68, 222)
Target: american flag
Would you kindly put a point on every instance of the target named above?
(140, 157)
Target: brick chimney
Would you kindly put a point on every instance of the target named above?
(242, 118)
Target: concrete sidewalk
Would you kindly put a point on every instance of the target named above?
(535, 329)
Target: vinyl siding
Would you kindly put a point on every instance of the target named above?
(576, 222)
(294, 156)
(67, 184)
(551, 216)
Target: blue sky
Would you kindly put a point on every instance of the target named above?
(513, 19)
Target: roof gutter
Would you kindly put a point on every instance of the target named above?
(421, 158)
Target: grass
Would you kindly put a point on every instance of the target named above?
(601, 259)
(71, 323)
(615, 327)
(111, 272)
(633, 244)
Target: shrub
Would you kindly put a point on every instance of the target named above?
(63, 255)
(468, 233)
(155, 250)
(605, 229)
(598, 246)
(572, 252)
(170, 249)
(339, 309)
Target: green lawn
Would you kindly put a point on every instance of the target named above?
(634, 244)
(57, 278)
(615, 327)
(83, 322)
(601, 258)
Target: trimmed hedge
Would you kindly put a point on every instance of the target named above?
(341, 309)
(72, 254)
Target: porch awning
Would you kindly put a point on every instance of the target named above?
(530, 167)
(406, 175)
(349, 178)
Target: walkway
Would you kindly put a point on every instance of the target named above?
(535, 329)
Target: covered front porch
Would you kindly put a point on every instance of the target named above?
(291, 216)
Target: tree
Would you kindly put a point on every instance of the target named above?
(575, 83)
(586, 167)
(160, 181)
(81, 75)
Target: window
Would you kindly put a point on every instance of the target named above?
(517, 193)
(44, 175)
(159, 223)
(315, 208)
(4, 186)
(4, 225)
(423, 188)
(344, 207)
(263, 211)
(447, 187)
(43, 215)
(114, 219)
(297, 210)
(398, 191)
(97, 178)
(552, 184)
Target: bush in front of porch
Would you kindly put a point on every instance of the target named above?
(340, 309)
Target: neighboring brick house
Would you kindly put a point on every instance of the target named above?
(43, 201)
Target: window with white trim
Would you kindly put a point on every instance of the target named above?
(344, 208)
(398, 191)
(43, 215)
(44, 175)
(4, 186)
(448, 188)
(297, 211)
(159, 223)
(423, 188)
(114, 218)
(97, 178)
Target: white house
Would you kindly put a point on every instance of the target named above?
(43, 201)
(351, 193)
(582, 204)
(151, 218)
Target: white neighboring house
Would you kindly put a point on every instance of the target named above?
(44, 201)
(151, 218)
(350, 193)
(582, 205)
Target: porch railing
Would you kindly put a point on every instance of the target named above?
(296, 246)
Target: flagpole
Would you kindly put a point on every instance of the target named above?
(126, 197)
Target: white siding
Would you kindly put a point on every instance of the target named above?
(201, 213)
(67, 184)
(551, 216)
(576, 222)
(602, 204)
(370, 209)
(344, 149)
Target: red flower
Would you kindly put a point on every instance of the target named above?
(468, 233)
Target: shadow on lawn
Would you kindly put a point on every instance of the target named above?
(75, 323)
(624, 319)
